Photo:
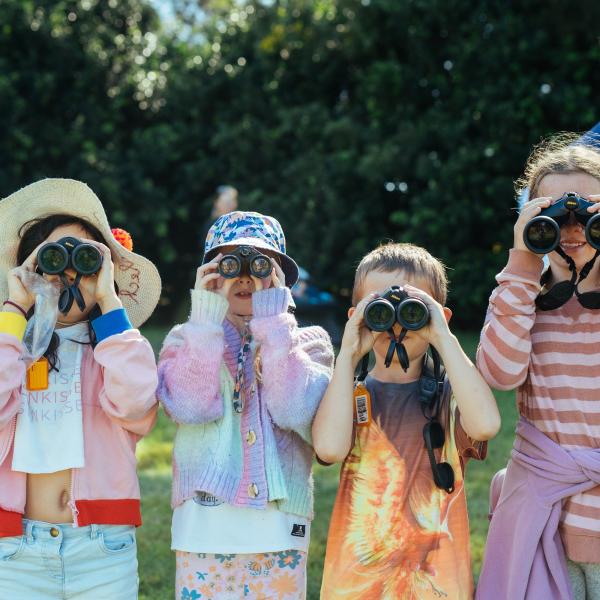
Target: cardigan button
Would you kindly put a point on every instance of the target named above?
(253, 490)
(250, 437)
(54, 532)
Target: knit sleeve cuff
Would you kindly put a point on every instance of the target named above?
(208, 307)
(270, 302)
(13, 324)
(524, 264)
(113, 322)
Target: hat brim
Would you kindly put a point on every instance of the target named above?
(288, 265)
(137, 278)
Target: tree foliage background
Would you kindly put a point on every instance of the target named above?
(351, 121)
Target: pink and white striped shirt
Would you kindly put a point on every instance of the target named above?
(553, 359)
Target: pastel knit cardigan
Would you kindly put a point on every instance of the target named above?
(263, 454)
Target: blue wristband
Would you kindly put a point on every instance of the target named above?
(113, 322)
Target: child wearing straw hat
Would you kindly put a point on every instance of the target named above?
(77, 391)
(243, 383)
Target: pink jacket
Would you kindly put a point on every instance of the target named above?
(118, 385)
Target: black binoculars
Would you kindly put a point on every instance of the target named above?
(542, 234)
(245, 260)
(395, 305)
(54, 258)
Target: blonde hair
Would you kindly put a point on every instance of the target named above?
(560, 155)
(412, 260)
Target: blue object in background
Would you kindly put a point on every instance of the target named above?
(591, 138)
(308, 296)
(315, 306)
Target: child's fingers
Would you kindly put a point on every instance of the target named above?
(259, 283)
(360, 307)
(209, 266)
(417, 293)
(539, 200)
(225, 285)
(205, 270)
(106, 257)
(102, 247)
(277, 274)
(534, 207)
(595, 198)
(203, 280)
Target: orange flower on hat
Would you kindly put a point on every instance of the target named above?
(124, 238)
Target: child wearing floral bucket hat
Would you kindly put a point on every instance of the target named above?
(243, 382)
(77, 392)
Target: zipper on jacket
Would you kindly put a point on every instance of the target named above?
(71, 502)
(11, 438)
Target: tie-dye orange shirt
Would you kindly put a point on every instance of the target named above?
(393, 534)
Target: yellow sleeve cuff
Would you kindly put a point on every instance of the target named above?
(13, 324)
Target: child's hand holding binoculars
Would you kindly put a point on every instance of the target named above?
(358, 339)
(437, 326)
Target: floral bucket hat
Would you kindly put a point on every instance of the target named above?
(241, 228)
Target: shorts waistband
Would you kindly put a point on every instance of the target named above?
(38, 530)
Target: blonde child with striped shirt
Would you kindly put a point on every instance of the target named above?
(544, 539)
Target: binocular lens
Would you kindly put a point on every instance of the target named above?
(86, 259)
(380, 315)
(261, 267)
(229, 266)
(53, 259)
(413, 314)
(593, 232)
(542, 235)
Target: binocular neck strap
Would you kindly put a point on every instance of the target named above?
(585, 271)
(432, 368)
(77, 292)
(396, 346)
(569, 262)
(364, 368)
(437, 364)
(70, 292)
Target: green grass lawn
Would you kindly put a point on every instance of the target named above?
(156, 561)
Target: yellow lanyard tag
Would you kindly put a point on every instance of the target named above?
(362, 405)
(37, 375)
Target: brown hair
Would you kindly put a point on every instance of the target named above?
(413, 260)
(561, 155)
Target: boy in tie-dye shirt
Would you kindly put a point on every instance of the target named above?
(395, 533)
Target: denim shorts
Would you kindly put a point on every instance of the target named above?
(62, 562)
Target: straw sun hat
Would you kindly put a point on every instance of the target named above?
(136, 277)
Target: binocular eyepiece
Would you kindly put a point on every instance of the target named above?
(396, 306)
(54, 258)
(542, 234)
(245, 260)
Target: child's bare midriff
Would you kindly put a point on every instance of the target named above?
(48, 496)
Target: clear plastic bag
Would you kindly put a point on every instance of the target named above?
(40, 327)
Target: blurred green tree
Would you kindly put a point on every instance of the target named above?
(352, 121)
